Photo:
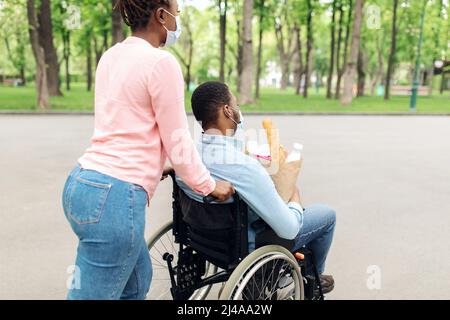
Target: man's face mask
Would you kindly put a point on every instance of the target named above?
(172, 36)
(240, 122)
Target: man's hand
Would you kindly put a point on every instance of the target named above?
(223, 190)
(296, 197)
(167, 170)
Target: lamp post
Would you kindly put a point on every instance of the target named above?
(415, 86)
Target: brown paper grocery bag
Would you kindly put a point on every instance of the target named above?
(284, 174)
(285, 179)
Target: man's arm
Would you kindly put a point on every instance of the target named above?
(256, 188)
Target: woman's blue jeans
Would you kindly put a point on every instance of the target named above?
(108, 217)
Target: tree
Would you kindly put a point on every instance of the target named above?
(38, 51)
(246, 96)
(117, 24)
(445, 52)
(262, 13)
(223, 7)
(45, 31)
(298, 59)
(387, 91)
(309, 47)
(332, 53)
(238, 51)
(61, 27)
(341, 66)
(361, 68)
(377, 67)
(15, 37)
(285, 43)
(186, 43)
(350, 73)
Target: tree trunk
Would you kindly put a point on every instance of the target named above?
(22, 76)
(223, 7)
(89, 63)
(442, 87)
(341, 69)
(350, 72)
(38, 51)
(379, 74)
(332, 46)
(246, 96)
(361, 73)
(45, 30)
(189, 61)
(105, 40)
(117, 24)
(309, 43)
(239, 57)
(283, 53)
(66, 41)
(430, 79)
(284, 74)
(17, 58)
(298, 61)
(98, 51)
(260, 39)
(387, 92)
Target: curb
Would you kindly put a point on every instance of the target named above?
(392, 114)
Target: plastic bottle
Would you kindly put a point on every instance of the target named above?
(296, 154)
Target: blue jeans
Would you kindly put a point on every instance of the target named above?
(108, 217)
(317, 232)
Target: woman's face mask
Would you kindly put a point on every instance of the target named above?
(172, 36)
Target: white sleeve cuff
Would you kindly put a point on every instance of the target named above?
(295, 206)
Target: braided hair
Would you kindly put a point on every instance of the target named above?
(137, 13)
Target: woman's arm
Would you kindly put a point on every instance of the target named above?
(166, 87)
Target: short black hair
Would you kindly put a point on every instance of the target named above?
(207, 99)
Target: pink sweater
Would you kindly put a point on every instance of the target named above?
(140, 119)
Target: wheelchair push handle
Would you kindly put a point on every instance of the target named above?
(209, 199)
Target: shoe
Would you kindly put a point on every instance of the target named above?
(327, 283)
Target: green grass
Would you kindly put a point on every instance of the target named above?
(272, 100)
(24, 99)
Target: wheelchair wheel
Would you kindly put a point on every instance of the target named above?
(268, 273)
(161, 242)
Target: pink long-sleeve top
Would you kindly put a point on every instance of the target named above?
(140, 119)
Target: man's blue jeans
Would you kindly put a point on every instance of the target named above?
(317, 231)
(108, 217)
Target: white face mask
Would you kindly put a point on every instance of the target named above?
(240, 124)
(172, 36)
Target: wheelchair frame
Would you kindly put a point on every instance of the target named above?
(195, 251)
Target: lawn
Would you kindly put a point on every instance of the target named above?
(272, 100)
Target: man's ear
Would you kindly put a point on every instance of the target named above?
(227, 112)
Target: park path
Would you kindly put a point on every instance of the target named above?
(387, 177)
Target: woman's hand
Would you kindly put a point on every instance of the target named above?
(223, 190)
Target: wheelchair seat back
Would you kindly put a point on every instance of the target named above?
(217, 232)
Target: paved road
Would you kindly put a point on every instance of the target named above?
(387, 177)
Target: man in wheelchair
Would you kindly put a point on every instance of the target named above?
(215, 107)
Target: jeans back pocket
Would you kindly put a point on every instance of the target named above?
(87, 200)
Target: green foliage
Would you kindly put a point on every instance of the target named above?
(201, 27)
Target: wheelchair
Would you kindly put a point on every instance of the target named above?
(207, 244)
